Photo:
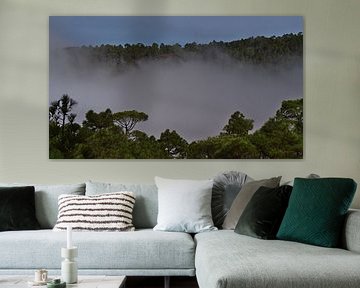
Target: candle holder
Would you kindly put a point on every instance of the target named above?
(69, 272)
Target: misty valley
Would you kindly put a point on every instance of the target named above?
(222, 100)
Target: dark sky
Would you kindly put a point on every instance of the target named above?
(195, 98)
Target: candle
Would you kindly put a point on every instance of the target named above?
(69, 237)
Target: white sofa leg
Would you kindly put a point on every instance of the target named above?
(167, 282)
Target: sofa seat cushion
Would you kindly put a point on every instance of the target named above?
(142, 249)
(225, 259)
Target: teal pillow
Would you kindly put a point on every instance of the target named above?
(316, 211)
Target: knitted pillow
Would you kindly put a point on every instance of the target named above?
(105, 212)
(316, 211)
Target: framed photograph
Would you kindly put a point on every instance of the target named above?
(175, 87)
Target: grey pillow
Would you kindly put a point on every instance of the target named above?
(225, 189)
(184, 205)
(146, 204)
(243, 198)
(46, 200)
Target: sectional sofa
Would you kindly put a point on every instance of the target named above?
(218, 258)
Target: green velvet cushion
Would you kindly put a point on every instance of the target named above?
(17, 209)
(316, 211)
(264, 212)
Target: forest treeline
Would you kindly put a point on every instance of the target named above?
(113, 135)
(254, 50)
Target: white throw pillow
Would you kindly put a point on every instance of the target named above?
(184, 205)
(104, 212)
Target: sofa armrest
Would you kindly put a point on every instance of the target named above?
(351, 231)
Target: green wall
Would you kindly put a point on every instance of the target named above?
(331, 91)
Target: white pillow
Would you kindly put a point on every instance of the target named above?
(184, 205)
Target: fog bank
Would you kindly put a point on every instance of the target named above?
(193, 95)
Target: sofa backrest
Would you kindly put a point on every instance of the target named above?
(146, 203)
(46, 200)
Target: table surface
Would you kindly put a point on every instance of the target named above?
(84, 281)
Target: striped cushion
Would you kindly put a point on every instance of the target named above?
(105, 212)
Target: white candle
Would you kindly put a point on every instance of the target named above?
(69, 237)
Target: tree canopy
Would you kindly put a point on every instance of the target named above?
(108, 135)
(238, 125)
(128, 119)
(254, 50)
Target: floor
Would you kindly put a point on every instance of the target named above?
(131, 282)
(158, 282)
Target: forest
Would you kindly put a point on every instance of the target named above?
(113, 134)
(254, 50)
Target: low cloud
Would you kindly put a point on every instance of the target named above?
(193, 95)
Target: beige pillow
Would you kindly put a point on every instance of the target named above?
(243, 198)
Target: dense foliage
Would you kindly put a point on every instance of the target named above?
(112, 135)
(259, 50)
